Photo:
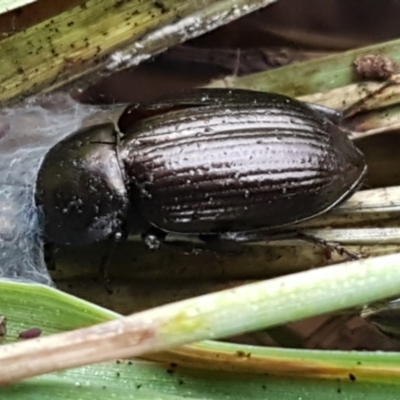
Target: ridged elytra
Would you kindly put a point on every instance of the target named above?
(206, 162)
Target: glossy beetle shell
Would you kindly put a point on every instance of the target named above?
(232, 161)
(209, 161)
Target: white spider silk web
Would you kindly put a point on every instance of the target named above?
(27, 131)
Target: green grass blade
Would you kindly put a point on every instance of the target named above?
(229, 312)
(318, 75)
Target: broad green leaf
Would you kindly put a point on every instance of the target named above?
(315, 76)
(356, 375)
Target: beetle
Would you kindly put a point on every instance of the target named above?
(216, 163)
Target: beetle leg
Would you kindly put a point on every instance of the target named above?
(235, 241)
(329, 246)
(249, 237)
(103, 268)
(49, 251)
(227, 241)
(153, 238)
(219, 243)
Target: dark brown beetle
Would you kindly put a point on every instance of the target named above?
(210, 162)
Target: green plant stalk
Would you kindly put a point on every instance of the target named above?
(85, 39)
(55, 310)
(314, 76)
(242, 309)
